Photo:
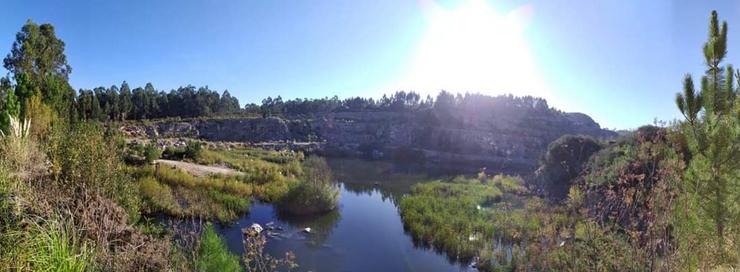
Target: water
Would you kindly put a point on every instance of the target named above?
(365, 233)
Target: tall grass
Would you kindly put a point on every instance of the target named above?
(57, 246)
(213, 255)
(177, 193)
(47, 245)
(318, 193)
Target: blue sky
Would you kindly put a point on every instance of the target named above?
(619, 61)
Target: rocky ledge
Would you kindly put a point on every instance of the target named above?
(510, 143)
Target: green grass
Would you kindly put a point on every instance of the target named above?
(177, 193)
(317, 193)
(272, 174)
(46, 245)
(213, 255)
(495, 220)
(446, 214)
(267, 175)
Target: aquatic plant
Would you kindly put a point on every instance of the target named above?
(317, 193)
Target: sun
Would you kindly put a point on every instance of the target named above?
(474, 48)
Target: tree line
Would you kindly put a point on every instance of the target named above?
(38, 85)
(123, 103)
(401, 101)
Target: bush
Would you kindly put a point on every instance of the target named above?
(152, 153)
(561, 164)
(193, 150)
(86, 157)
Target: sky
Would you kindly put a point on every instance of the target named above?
(621, 62)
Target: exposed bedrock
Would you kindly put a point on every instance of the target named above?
(508, 143)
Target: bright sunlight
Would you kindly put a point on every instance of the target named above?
(473, 47)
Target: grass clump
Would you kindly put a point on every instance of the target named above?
(316, 194)
(213, 255)
(46, 245)
(57, 246)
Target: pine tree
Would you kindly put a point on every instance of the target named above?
(713, 134)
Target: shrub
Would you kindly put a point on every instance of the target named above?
(193, 150)
(561, 164)
(86, 157)
(152, 153)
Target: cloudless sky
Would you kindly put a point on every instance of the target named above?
(619, 61)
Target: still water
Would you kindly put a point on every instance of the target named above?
(365, 233)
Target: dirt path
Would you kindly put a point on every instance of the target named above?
(200, 170)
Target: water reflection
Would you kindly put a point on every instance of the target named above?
(390, 180)
(321, 225)
(365, 233)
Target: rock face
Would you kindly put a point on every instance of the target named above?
(508, 143)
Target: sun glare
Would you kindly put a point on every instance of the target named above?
(474, 48)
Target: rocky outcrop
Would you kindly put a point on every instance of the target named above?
(509, 143)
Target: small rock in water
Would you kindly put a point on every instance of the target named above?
(253, 230)
(307, 230)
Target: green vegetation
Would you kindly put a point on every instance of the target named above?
(450, 215)
(271, 173)
(177, 193)
(317, 193)
(142, 153)
(213, 255)
(488, 217)
(658, 199)
(48, 245)
(711, 131)
(191, 151)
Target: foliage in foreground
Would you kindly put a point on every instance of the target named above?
(48, 245)
(213, 255)
(711, 131)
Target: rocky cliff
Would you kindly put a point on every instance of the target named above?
(510, 143)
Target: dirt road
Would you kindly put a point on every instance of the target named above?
(200, 170)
